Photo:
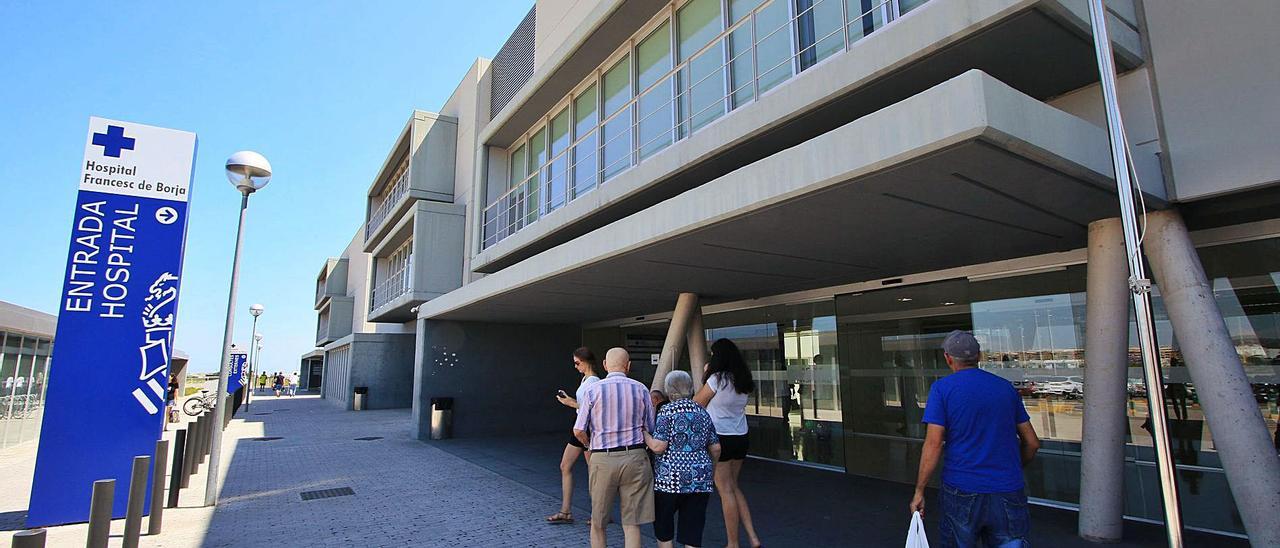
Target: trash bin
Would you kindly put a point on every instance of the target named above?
(361, 398)
(441, 418)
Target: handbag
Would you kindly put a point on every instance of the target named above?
(915, 534)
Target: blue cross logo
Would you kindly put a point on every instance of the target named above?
(113, 141)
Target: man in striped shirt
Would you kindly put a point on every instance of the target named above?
(617, 411)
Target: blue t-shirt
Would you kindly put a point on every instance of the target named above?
(981, 412)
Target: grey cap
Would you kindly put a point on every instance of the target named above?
(962, 345)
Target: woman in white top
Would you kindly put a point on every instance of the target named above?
(585, 362)
(725, 397)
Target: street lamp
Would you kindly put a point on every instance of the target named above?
(249, 172)
(255, 310)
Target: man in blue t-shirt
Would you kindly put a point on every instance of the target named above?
(989, 438)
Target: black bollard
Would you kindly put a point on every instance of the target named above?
(161, 461)
(189, 455)
(31, 538)
(104, 492)
(178, 469)
(137, 498)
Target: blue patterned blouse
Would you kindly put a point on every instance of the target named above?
(685, 467)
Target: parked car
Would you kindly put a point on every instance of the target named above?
(1025, 387)
(1066, 387)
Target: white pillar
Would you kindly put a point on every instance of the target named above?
(1239, 432)
(697, 342)
(1106, 346)
(686, 303)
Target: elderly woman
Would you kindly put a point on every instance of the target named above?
(685, 442)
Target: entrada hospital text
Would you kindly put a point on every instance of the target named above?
(91, 226)
(109, 170)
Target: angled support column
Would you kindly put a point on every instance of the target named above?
(1239, 432)
(1106, 347)
(686, 303)
(697, 341)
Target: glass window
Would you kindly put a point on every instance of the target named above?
(741, 57)
(615, 134)
(905, 6)
(702, 80)
(537, 158)
(586, 117)
(654, 107)
(819, 25)
(773, 45)
(518, 167)
(795, 412)
(865, 17)
(558, 168)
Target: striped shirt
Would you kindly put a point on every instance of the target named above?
(616, 411)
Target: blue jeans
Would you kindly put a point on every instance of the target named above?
(1000, 520)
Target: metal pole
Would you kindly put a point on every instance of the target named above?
(100, 513)
(1139, 284)
(137, 496)
(253, 343)
(189, 454)
(178, 469)
(31, 538)
(161, 462)
(220, 409)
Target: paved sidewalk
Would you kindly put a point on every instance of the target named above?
(406, 493)
(472, 492)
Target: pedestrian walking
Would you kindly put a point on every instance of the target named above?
(293, 384)
(262, 381)
(725, 398)
(685, 442)
(584, 361)
(617, 412)
(170, 397)
(278, 383)
(989, 438)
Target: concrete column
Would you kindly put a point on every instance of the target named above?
(686, 303)
(1106, 349)
(1239, 432)
(697, 341)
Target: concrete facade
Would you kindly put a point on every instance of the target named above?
(933, 165)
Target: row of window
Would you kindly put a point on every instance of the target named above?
(684, 71)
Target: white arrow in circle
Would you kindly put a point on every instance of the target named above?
(166, 215)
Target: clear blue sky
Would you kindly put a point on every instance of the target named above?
(320, 88)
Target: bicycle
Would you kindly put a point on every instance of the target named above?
(196, 405)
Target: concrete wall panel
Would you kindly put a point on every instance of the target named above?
(1216, 76)
(503, 377)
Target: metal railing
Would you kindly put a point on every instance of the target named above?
(730, 71)
(394, 285)
(390, 198)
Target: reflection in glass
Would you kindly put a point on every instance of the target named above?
(654, 107)
(701, 81)
(558, 169)
(615, 134)
(818, 30)
(795, 412)
(585, 118)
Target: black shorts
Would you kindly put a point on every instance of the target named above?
(692, 516)
(573, 440)
(733, 447)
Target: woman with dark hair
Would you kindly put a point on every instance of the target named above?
(725, 397)
(584, 361)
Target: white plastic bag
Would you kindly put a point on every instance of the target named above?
(915, 535)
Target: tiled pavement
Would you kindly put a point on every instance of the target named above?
(473, 492)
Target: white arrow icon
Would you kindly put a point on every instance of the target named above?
(166, 215)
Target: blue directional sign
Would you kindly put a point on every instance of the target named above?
(235, 377)
(116, 317)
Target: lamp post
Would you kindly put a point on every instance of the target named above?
(248, 171)
(255, 310)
